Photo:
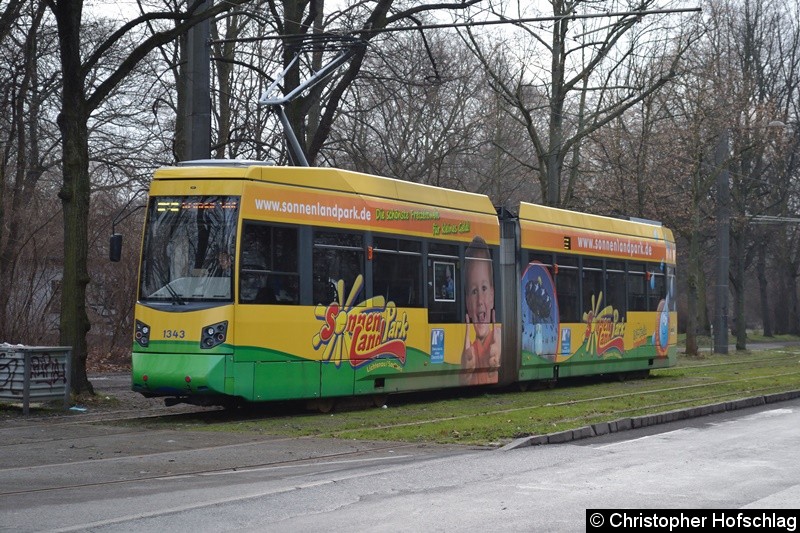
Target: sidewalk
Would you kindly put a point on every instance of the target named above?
(113, 395)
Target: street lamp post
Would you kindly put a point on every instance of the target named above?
(723, 245)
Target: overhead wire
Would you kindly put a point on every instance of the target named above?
(470, 24)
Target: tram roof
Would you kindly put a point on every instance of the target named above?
(332, 179)
(574, 219)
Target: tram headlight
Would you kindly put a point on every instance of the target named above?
(142, 334)
(214, 335)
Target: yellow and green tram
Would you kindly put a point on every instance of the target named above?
(263, 283)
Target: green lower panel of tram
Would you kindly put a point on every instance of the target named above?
(271, 376)
(176, 374)
(537, 367)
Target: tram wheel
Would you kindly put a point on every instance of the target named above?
(379, 400)
(322, 405)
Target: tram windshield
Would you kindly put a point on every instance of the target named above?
(188, 253)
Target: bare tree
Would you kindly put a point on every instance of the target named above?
(415, 107)
(755, 45)
(83, 91)
(588, 82)
(735, 82)
(313, 114)
(425, 114)
(28, 82)
(654, 163)
(9, 16)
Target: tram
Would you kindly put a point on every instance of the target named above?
(261, 283)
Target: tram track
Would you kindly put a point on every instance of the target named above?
(351, 456)
(68, 419)
(617, 413)
(133, 415)
(771, 359)
(695, 400)
(168, 419)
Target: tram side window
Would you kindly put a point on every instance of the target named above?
(567, 288)
(444, 293)
(397, 271)
(545, 259)
(592, 285)
(269, 265)
(637, 287)
(338, 259)
(616, 286)
(656, 290)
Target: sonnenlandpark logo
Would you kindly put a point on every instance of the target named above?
(360, 332)
(604, 330)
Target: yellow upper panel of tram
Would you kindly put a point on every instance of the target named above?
(585, 221)
(562, 231)
(332, 179)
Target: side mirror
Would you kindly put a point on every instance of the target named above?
(115, 248)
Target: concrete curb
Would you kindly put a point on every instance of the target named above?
(624, 424)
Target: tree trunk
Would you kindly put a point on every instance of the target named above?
(763, 289)
(739, 284)
(74, 193)
(225, 56)
(24, 129)
(181, 111)
(794, 305)
(693, 281)
(293, 14)
(552, 160)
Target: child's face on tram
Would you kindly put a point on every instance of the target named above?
(224, 260)
(480, 294)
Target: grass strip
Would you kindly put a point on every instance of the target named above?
(494, 417)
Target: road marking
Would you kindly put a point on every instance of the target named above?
(657, 435)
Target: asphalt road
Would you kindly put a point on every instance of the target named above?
(72, 477)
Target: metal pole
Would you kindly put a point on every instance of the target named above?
(295, 151)
(723, 245)
(278, 102)
(198, 92)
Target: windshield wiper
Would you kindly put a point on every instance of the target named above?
(176, 298)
